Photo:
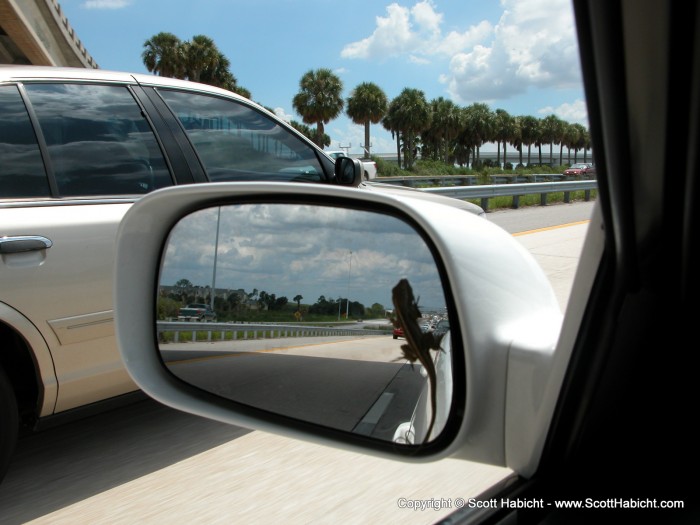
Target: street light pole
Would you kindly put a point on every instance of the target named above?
(216, 252)
(347, 311)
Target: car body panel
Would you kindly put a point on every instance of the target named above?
(74, 315)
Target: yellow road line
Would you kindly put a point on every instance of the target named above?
(527, 232)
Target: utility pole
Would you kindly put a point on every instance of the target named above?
(216, 252)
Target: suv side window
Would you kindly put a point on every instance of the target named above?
(236, 142)
(22, 172)
(99, 143)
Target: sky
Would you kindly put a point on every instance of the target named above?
(290, 249)
(521, 56)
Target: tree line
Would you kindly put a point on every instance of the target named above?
(239, 303)
(436, 129)
(198, 60)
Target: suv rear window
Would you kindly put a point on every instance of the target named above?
(99, 143)
(236, 142)
(22, 172)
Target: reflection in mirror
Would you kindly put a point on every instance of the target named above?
(324, 314)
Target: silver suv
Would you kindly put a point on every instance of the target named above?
(77, 148)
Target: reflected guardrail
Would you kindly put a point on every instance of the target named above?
(212, 332)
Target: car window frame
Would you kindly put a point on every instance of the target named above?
(21, 94)
(325, 163)
(55, 193)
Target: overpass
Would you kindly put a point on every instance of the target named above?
(37, 32)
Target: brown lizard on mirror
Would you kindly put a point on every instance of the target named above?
(418, 344)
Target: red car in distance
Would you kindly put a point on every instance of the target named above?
(580, 169)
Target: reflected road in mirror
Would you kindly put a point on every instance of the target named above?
(323, 314)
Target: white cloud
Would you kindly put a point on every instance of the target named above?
(319, 248)
(281, 113)
(571, 112)
(534, 45)
(418, 60)
(392, 36)
(414, 32)
(106, 4)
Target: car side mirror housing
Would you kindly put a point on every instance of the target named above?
(267, 250)
(348, 171)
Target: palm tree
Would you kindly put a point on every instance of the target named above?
(214, 73)
(389, 125)
(516, 139)
(551, 131)
(563, 134)
(310, 133)
(411, 116)
(529, 131)
(163, 55)
(319, 99)
(201, 54)
(504, 131)
(480, 120)
(586, 144)
(571, 139)
(444, 128)
(367, 104)
(297, 299)
(580, 142)
(466, 141)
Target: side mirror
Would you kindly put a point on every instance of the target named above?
(291, 268)
(290, 281)
(348, 171)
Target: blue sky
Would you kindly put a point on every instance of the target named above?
(520, 56)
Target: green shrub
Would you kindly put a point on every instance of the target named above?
(387, 168)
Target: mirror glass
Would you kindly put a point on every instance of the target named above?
(329, 315)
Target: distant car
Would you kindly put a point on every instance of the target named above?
(580, 168)
(369, 165)
(197, 312)
(442, 328)
(398, 332)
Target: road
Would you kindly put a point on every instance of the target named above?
(149, 464)
(553, 235)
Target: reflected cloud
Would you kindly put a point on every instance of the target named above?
(290, 249)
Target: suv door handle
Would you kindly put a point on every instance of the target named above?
(24, 243)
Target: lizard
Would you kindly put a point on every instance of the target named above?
(418, 344)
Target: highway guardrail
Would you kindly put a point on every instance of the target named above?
(247, 331)
(486, 192)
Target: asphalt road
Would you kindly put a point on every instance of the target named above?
(541, 217)
(149, 464)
